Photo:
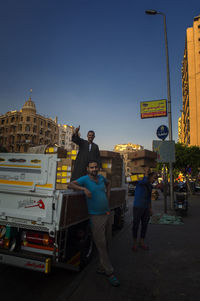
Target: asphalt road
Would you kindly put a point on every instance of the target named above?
(20, 284)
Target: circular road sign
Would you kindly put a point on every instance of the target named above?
(162, 132)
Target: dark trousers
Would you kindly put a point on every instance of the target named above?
(140, 215)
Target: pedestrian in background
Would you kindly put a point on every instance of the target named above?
(142, 209)
(87, 151)
(97, 191)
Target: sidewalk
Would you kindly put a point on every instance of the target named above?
(169, 271)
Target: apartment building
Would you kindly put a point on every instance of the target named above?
(124, 149)
(65, 137)
(22, 129)
(190, 117)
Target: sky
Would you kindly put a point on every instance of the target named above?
(91, 63)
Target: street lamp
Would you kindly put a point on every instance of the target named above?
(155, 12)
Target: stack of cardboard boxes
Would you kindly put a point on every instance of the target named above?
(72, 154)
(137, 163)
(63, 175)
(64, 166)
(112, 167)
(64, 170)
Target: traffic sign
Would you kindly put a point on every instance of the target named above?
(165, 151)
(162, 132)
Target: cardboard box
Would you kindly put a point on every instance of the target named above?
(143, 163)
(109, 154)
(64, 165)
(142, 154)
(134, 178)
(63, 180)
(65, 161)
(61, 152)
(106, 165)
(136, 170)
(60, 186)
(63, 174)
(112, 165)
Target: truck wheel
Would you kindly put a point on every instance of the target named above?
(119, 218)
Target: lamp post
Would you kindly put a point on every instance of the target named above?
(154, 12)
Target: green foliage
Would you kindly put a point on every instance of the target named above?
(187, 156)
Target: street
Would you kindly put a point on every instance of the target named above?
(20, 284)
(168, 271)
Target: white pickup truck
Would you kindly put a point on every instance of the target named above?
(41, 226)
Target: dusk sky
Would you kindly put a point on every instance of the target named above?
(91, 63)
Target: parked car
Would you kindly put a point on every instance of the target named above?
(197, 186)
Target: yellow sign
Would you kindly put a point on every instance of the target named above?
(154, 108)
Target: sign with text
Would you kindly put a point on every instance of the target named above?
(162, 132)
(165, 151)
(153, 108)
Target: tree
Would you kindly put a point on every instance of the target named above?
(187, 156)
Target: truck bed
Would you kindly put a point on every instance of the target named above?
(74, 205)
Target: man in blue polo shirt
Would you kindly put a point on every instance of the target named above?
(97, 191)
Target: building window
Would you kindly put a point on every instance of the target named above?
(21, 118)
(41, 131)
(27, 128)
(12, 119)
(34, 120)
(2, 121)
(27, 118)
(20, 127)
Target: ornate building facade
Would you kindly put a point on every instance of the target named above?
(22, 129)
(65, 137)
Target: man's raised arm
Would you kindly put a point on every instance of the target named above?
(75, 137)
